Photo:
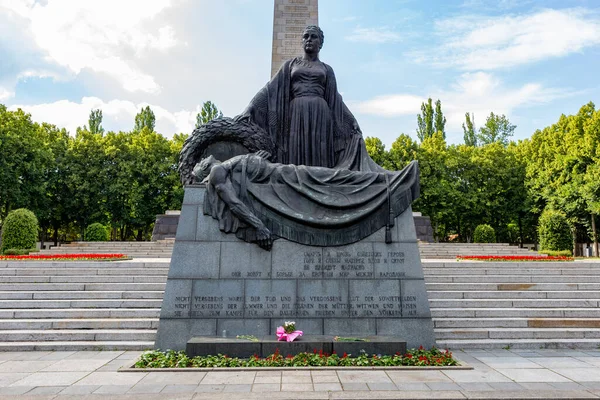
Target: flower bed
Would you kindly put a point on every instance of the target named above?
(414, 357)
(513, 258)
(66, 257)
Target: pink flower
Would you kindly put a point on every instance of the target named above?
(289, 337)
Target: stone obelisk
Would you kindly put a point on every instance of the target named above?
(289, 20)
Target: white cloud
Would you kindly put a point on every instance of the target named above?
(5, 94)
(374, 35)
(487, 43)
(479, 93)
(105, 36)
(117, 115)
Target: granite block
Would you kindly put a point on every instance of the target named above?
(414, 299)
(173, 334)
(307, 344)
(350, 327)
(292, 260)
(245, 261)
(397, 261)
(416, 331)
(186, 229)
(234, 327)
(194, 260)
(348, 262)
(194, 194)
(380, 345)
(217, 299)
(207, 229)
(177, 299)
(270, 299)
(232, 347)
(404, 225)
(329, 298)
(375, 298)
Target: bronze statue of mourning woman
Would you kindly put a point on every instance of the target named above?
(294, 164)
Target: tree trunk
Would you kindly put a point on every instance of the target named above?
(595, 236)
(520, 231)
(574, 230)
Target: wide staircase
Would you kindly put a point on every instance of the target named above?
(80, 305)
(520, 305)
(156, 249)
(164, 248)
(115, 305)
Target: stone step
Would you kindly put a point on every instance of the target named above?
(42, 287)
(78, 334)
(77, 345)
(511, 271)
(515, 312)
(513, 279)
(512, 294)
(84, 279)
(514, 303)
(507, 287)
(70, 313)
(458, 323)
(125, 264)
(89, 295)
(79, 323)
(474, 265)
(82, 271)
(82, 303)
(457, 344)
(516, 333)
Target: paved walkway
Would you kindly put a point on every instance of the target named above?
(539, 374)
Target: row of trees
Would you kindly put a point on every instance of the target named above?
(123, 179)
(492, 180)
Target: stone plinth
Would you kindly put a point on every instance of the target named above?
(165, 226)
(219, 283)
(290, 17)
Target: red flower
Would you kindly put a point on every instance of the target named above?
(345, 355)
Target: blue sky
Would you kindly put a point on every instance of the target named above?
(529, 60)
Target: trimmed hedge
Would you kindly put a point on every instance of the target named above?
(554, 253)
(97, 232)
(20, 230)
(554, 231)
(484, 234)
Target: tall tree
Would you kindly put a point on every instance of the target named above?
(209, 112)
(439, 119)
(376, 150)
(145, 119)
(470, 134)
(95, 122)
(425, 121)
(497, 128)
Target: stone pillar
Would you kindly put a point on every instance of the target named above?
(289, 20)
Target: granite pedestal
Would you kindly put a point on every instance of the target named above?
(219, 285)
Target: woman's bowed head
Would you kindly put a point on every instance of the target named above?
(312, 41)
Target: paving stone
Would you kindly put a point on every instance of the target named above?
(580, 374)
(379, 386)
(57, 355)
(83, 389)
(534, 375)
(237, 388)
(112, 389)
(209, 388)
(560, 362)
(75, 365)
(285, 378)
(173, 378)
(505, 386)
(25, 366)
(111, 378)
(354, 386)
(417, 376)
(363, 376)
(412, 386)
(296, 387)
(448, 386)
(266, 387)
(15, 390)
(225, 377)
(508, 362)
(567, 386)
(476, 386)
(476, 375)
(318, 378)
(267, 378)
(327, 386)
(146, 388)
(50, 379)
(46, 390)
(179, 389)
